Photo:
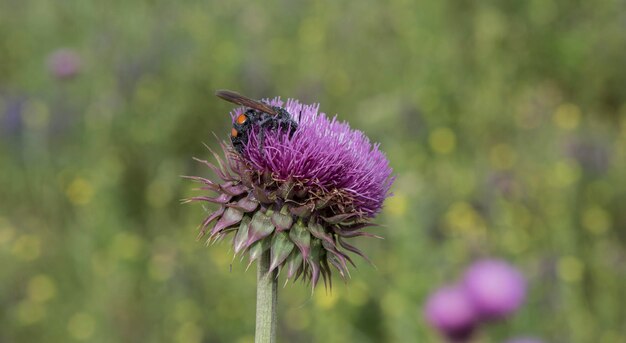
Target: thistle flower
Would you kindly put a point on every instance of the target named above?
(298, 194)
(495, 288)
(451, 312)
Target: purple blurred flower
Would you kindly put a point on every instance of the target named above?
(593, 156)
(505, 183)
(300, 195)
(12, 121)
(524, 340)
(495, 288)
(451, 312)
(64, 64)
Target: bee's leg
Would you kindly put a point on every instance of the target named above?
(264, 124)
(264, 121)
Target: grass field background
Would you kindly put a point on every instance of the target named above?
(505, 123)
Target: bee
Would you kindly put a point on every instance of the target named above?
(257, 114)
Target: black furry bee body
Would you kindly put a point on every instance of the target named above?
(258, 114)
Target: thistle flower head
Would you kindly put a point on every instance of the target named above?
(490, 289)
(451, 312)
(300, 194)
(495, 288)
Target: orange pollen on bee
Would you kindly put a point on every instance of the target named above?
(241, 119)
(233, 132)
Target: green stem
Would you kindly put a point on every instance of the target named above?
(266, 292)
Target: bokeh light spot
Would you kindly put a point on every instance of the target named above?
(79, 191)
(27, 247)
(596, 220)
(41, 288)
(397, 204)
(442, 140)
(567, 116)
(29, 312)
(189, 332)
(463, 220)
(565, 173)
(326, 300)
(7, 232)
(126, 245)
(502, 157)
(570, 269)
(81, 326)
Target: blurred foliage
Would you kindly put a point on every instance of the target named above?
(505, 123)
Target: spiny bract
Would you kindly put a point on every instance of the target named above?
(300, 195)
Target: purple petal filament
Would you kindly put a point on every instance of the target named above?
(324, 154)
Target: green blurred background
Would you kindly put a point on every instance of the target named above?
(505, 123)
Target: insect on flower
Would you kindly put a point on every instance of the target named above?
(258, 114)
(281, 191)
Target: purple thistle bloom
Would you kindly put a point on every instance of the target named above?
(324, 155)
(452, 313)
(299, 194)
(495, 288)
(64, 64)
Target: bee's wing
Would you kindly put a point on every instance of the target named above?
(239, 99)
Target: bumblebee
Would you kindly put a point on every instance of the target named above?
(257, 114)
